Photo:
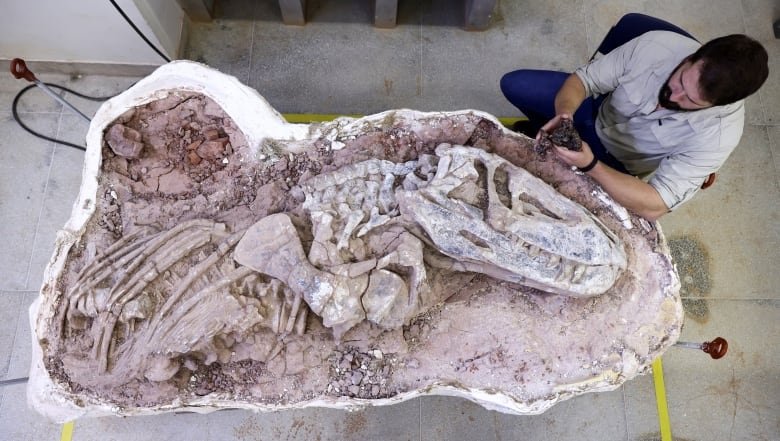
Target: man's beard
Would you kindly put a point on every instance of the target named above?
(666, 92)
(663, 98)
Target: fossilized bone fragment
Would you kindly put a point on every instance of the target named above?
(528, 233)
(564, 135)
(385, 299)
(356, 205)
(534, 236)
(507, 223)
(129, 284)
(272, 247)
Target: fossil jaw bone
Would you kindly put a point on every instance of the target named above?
(550, 243)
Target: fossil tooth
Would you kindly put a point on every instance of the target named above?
(579, 271)
(566, 273)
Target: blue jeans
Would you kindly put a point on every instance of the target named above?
(533, 92)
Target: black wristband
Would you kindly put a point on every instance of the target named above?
(590, 166)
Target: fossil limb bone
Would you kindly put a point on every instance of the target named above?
(272, 247)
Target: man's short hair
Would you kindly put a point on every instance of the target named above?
(733, 67)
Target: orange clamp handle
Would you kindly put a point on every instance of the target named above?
(709, 181)
(19, 70)
(716, 348)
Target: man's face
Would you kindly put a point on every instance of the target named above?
(681, 90)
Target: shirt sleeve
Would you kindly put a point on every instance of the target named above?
(602, 75)
(676, 181)
(680, 176)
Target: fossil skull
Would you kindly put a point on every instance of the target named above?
(492, 217)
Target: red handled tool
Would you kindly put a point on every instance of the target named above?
(19, 70)
(716, 348)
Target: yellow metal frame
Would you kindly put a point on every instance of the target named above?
(67, 431)
(660, 400)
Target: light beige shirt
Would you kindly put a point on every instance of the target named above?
(677, 150)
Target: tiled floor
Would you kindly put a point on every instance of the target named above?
(339, 63)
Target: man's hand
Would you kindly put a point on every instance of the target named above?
(553, 123)
(579, 159)
(629, 191)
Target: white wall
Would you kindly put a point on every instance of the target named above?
(89, 31)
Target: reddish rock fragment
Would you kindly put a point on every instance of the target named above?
(211, 134)
(124, 141)
(212, 149)
(565, 135)
(193, 158)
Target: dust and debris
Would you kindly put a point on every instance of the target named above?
(361, 374)
(692, 260)
(421, 325)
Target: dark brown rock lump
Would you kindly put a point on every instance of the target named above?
(565, 135)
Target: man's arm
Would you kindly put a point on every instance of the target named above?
(629, 191)
(569, 96)
(634, 194)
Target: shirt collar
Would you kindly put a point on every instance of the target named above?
(701, 119)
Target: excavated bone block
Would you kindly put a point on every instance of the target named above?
(271, 247)
(385, 299)
(124, 141)
(147, 308)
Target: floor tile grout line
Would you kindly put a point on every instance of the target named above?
(249, 76)
(43, 202)
(421, 40)
(13, 342)
(762, 104)
(22, 319)
(587, 31)
(625, 410)
(772, 153)
(763, 124)
(419, 402)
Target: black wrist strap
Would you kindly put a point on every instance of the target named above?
(590, 166)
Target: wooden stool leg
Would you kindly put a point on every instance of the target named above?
(293, 12)
(478, 14)
(385, 13)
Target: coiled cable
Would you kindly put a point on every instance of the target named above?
(15, 112)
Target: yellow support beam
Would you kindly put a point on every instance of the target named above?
(67, 431)
(660, 400)
(307, 118)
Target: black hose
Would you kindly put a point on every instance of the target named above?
(39, 135)
(23, 91)
(138, 31)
